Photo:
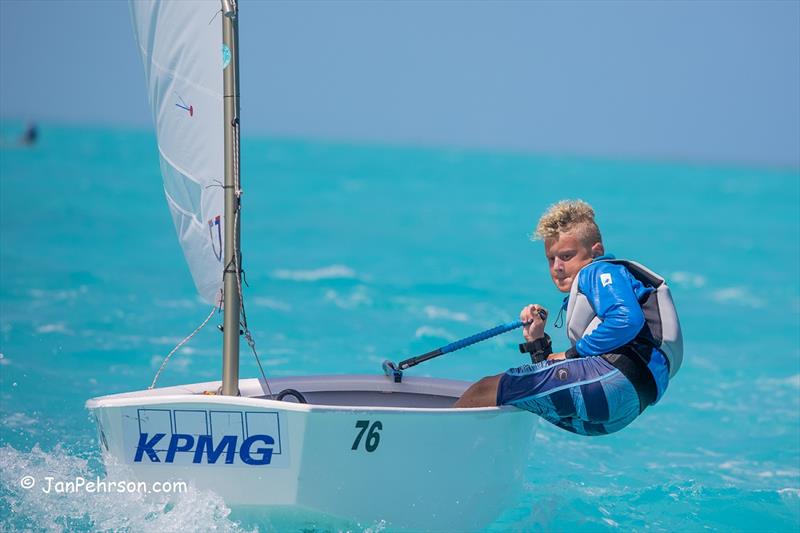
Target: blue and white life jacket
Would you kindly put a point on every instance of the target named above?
(660, 315)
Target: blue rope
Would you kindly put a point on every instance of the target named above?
(453, 346)
(482, 336)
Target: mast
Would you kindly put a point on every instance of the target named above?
(232, 275)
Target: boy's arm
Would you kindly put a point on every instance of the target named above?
(608, 288)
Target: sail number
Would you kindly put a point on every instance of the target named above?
(373, 435)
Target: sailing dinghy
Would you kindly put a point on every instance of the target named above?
(366, 448)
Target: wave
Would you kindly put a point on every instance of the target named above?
(442, 313)
(790, 381)
(428, 331)
(177, 364)
(687, 279)
(19, 420)
(738, 296)
(35, 509)
(178, 304)
(164, 340)
(328, 272)
(279, 361)
(356, 298)
(683, 505)
(57, 327)
(58, 295)
(269, 303)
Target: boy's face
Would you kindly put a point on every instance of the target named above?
(566, 255)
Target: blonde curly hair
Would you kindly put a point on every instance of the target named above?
(568, 216)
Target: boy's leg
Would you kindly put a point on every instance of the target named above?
(482, 393)
(571, 394)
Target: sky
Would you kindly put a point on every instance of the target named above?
(699, 81)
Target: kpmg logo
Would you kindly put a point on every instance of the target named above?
(190, 436)
(255, 450)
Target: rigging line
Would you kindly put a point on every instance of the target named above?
(236, 176)
(250, 342)
(248, 336)
(237, 254)
(243, 314)
(184, 341)
(237, 250)
(215, 16)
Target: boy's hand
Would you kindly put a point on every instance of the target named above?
(533, 314)
(556, 356)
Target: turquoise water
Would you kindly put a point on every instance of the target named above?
(355, 254)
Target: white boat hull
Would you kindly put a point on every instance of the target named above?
(363, 449)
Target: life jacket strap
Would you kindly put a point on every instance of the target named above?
(633, 367)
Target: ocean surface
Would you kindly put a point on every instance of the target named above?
(359, 253)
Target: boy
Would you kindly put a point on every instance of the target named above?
(621, 320)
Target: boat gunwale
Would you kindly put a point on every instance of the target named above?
(97, 403)
(191, 394)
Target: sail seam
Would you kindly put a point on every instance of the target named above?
(177, 167)
(175, 76)
(181, 210)
(191, 178)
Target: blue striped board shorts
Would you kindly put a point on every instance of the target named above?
(585, 395)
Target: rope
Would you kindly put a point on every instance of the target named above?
(249, 338)
(237, 259)
(176, 348)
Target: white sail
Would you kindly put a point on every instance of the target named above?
(181, 46)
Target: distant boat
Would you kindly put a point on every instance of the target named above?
(26, 139)
(30, 135)
(357, 447)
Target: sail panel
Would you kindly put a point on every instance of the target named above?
(181, 46)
